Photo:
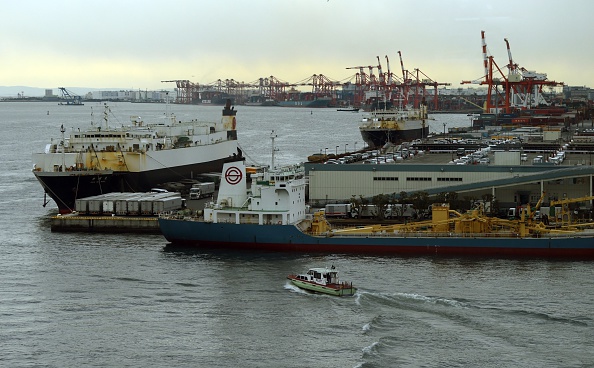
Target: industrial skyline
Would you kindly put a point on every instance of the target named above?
(136, 45)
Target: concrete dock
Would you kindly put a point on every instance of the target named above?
(105, 224)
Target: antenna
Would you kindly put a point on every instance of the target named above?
(272, 137)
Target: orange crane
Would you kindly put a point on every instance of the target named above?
(185, 90)
(526, 86)
(362, 83)
(419, 81)
(273, 88)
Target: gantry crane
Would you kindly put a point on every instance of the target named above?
(185, 90)
(519, 84)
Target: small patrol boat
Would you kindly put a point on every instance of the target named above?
(323, 280)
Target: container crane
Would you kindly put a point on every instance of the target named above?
(519, 84)
(271, 88)
(362, 84)
(185, 90)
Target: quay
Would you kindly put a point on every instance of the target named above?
(105, 224)
(112, 224)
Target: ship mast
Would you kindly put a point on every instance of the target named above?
(272, 136)
(105, 116)
(168, 114)
(63, 143)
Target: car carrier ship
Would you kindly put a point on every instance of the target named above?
(395, 125)
(133, 158)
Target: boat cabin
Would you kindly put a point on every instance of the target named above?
(322, 276)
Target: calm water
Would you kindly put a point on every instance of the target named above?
(84, 300)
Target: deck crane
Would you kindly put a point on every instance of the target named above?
(565, 212)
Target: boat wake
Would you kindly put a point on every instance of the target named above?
(371, 349)
(449, 307)
(399, 298)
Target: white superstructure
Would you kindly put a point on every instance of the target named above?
(275, 197)
(139, 146)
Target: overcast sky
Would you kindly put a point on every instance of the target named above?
(137, 44)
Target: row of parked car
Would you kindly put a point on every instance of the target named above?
(372, 157)
(391, 157)
(355, 157)
(556, 159)
(480, 157)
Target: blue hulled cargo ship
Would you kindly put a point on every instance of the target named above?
(272, 215)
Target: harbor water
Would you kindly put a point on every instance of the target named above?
(131, 300)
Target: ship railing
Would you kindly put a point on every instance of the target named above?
(186, 215)
(509, 235)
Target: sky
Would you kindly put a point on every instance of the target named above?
(136, 44)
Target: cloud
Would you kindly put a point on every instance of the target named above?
(140, 43)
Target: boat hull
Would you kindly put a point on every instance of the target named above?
(321, 102)
(379, 137)
(288, 238)
(65, 187)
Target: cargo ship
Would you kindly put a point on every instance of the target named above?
(546, 116)
(272, 215)
(395, 125)
(313, 103)
(133, 158)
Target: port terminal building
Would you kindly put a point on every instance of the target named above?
(510, 184)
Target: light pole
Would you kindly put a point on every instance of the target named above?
(345, 148)
(326, 151)
(336, 154)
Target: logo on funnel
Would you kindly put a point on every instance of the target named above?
(233, 175)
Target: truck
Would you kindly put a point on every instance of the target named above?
(202, 190)
(399, 210)
(340, 210)
(365, 211)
